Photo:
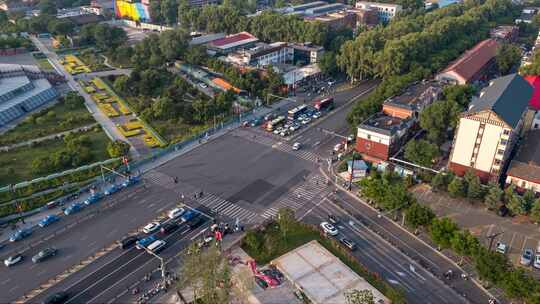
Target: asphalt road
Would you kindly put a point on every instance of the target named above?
(418, 285)
(243, 175)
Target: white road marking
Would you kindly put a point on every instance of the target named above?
(5, 281)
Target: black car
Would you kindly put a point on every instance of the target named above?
(348, 243)
(168, 227)
(332, 219)
(196, 222)
(503, 211)
(128, 241)
(57, 298)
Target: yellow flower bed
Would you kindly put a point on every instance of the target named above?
(128, 133)
(99, 84)
(108, 110)
(150, 141)
(123, 109)
(133, 125)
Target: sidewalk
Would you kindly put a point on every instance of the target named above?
(409, 244)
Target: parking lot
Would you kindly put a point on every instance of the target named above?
(518, 233)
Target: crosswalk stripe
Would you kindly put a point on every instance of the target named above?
(221, 205)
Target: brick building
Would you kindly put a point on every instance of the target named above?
(472, 65)
(488, 131)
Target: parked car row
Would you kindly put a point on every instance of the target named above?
(528, 256)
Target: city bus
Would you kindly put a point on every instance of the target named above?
(296, 112)
(325, 104)
(275, 123)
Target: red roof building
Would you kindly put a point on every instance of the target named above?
(534, 81)
(233, 42)
(472, 65)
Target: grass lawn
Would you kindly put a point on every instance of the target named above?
(269, 243)
(44, 123)
(175, 132)
(44, 64)
(15, 165)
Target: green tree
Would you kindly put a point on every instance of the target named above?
(442, 231)
(418, 215)
(491, 266)
(528, 200)
(327, 63)
(356, 296)
(118, 148)
(493, 198)
(286, 221)
(514, 202)
(438, 118)
(508, 56)
(421, 152)
(48, 7)
(441, 180)
(457, 188)
(474, 188)
(207, 273)
(173, 43)
(535, 211)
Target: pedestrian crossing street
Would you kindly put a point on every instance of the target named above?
(311, 191)
(268, 140)
(224, 207)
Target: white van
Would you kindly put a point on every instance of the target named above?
(156, 246)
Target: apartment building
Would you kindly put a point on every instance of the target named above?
(488, 131)
(262, 55)
(524, 169)
(385, 11)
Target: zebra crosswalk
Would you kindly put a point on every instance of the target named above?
(224, 207)
(312, 190)
(278, 145)
(160, 179)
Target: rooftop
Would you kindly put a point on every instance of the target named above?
(321, 275)
(473, 60)
(319, 10)
(506, 96)
(526, 163)
(379, 4)
(234, 40)
(534, 81)
(386, 124)
(503, 31)
(416, 95)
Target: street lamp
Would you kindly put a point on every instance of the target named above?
(161, 260)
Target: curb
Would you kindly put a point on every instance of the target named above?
(411, 234)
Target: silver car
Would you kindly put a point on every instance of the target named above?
(526, 257)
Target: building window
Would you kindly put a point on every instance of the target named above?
(500, 152)
(506, 132)
(504, 142)
(472, 163)
(497, 162)
(368, 136)
(495, 171)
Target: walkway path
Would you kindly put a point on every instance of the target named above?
(44, 138)
(108, 126)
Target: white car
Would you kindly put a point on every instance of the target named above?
(203, 85)
(338, 147)
(306, 121)
(329, 228)
(152, 227)
(12, 260)
(501, 248)
(536, 263)
(316, 115)
(296, 146)
(278, 130)
(526, 257)
(350, 138)
(176, 212)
